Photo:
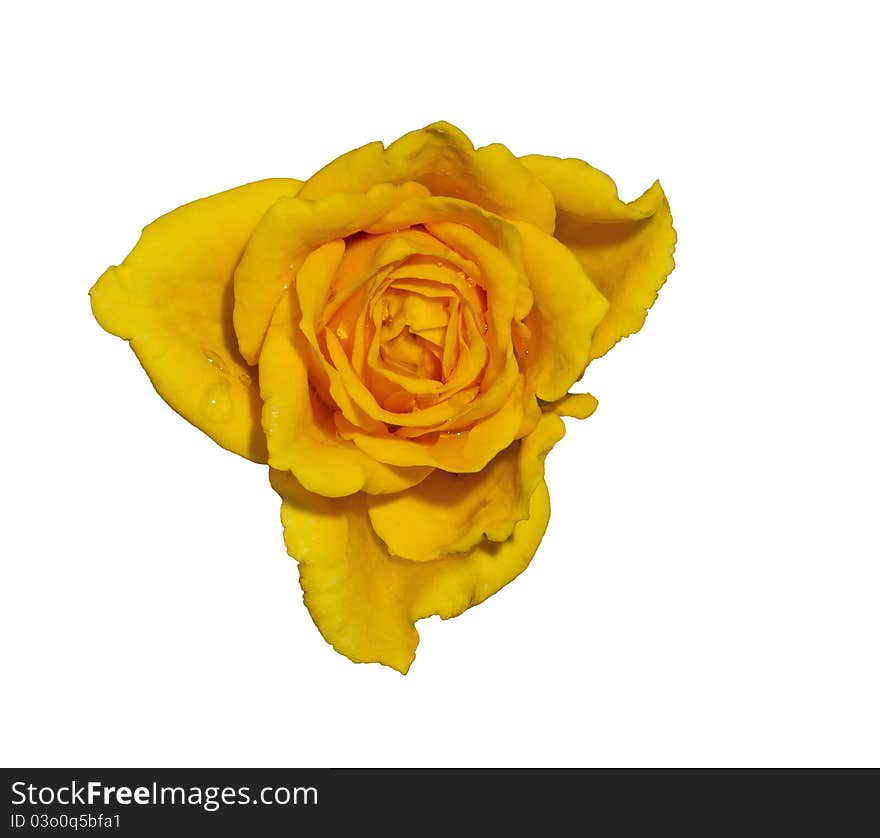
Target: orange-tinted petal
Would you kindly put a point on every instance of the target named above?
(458, 451)
(299, 428)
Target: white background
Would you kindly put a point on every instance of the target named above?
(707, 592)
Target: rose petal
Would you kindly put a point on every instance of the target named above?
(451, 513)
(365, 602)
(172, 299)
(576, 405)
(442, 158)
(567, 308)
(459, 451)
(625, 249)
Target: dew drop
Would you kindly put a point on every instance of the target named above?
(215, 361)
(217, 403)
(342, 332)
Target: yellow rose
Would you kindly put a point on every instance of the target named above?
(396, 337)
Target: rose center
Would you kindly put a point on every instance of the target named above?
(413, 332)
(407, 331)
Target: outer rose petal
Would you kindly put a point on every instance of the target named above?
(172, 299)
(626, 249)
(365, 602)
(567, 309)
(442, 158)
(300, 432)
(282, 240)
(577, 405)
(450, 513)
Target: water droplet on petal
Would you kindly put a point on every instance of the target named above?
(215, 361)
(217, 403)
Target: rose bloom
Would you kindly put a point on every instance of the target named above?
(396, 337)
